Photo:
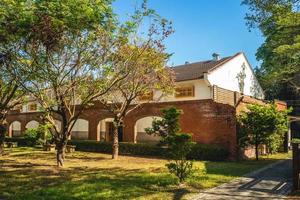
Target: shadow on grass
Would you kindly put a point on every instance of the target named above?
(34, 181)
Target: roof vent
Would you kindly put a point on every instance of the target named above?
(216, 56)
(187, 62)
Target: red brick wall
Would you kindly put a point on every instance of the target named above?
(208, 121)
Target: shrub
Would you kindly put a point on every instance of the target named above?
(180, 144)
(31, 136)
(20, 140)
(125, 148)
(198, 152)
(211, 152)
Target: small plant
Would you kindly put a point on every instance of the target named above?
(31, 136)
(179, 144)
(38, 136)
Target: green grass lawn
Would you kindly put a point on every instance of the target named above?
(28, 173)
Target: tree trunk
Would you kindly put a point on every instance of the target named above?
(2, 137)
(115, 152)
(60, 153)
(256, 151)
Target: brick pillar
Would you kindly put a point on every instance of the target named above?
(128, 134)
(23, 127)
(93, 131)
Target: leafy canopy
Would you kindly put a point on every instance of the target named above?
(279, 22)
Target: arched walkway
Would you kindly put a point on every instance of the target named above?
(80, 130)
(140, 134)
(14, 129)
(32, 124)
(105, 130)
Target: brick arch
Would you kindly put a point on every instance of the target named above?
(23, 118)
(10, 128)
(139, 132)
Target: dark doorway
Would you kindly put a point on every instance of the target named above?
(110, 132)
(120, 133)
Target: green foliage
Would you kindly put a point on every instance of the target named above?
(208, 152)
(40, 135)
(262, 124)
(279, 21)
(125, 148)
(179, 144)
(168, 126)
(45, 20)
(198, 152)
(31, 136)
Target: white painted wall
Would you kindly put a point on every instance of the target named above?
(25, 108)
(16, 126)
(202, 91)
(32, 124)
(80, 129)
(139, 130)
(225, 76)
(15, 129)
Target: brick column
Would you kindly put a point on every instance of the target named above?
(93, 132)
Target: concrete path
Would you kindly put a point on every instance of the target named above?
(272, 182)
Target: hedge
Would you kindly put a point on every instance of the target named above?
(211, 152)
(20, 140)
(124, 148)
(199, 151)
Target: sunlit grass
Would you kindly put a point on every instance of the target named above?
(27, 173)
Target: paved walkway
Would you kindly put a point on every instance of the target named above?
(272, 182)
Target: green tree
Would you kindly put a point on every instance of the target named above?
(10, 93)
(262, 124)
(179, 144)
(279, 22)
(60, 46)
(166, 127)
(139, 64)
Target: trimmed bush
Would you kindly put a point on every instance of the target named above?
(124, 147)
(208, 152)
(199, 151)
(20, 140)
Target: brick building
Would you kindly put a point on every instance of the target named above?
(210, 94)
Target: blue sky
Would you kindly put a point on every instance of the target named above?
(203, 27)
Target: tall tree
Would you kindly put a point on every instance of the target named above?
(10, 93)
(262, 125)
(140, 64)
(61, 46)
(279, 22)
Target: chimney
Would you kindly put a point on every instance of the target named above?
(216, 56)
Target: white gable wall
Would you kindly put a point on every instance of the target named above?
(225, 77)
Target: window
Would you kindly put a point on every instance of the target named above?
(32, 107)
(147, 96)
(187, 91)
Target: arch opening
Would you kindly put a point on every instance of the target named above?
(14, 129)
(80, 130)
(32, 124)
(140, 134)
(105, 130)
